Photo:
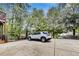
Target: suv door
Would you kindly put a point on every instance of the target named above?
(36, 35)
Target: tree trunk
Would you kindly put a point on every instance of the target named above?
(53, 33)
(26, 33)
(73, 32)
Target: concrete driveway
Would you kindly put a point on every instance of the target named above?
(58, 47)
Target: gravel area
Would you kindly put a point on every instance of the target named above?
(57, 47)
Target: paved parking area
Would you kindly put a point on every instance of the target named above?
(57, 47)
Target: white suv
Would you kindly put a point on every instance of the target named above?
(43, 36)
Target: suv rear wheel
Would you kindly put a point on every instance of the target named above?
(43, 39)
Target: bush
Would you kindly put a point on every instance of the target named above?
(77, 30)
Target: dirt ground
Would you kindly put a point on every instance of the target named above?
(57, 47)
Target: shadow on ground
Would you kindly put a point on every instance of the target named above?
(40, 40)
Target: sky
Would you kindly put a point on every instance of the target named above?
(43, 6)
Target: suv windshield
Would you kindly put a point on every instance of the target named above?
(45, 32)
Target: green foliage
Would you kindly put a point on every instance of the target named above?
(55, 21)
(14, 31)
(77, 30)
(42, 25)
(16, 21)
(56, 31)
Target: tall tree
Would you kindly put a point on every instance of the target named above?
(18, 16)
(36, 16)
(53, 14)
(71, 16)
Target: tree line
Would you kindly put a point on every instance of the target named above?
(57, 20)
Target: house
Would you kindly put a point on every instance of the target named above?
(2, 25)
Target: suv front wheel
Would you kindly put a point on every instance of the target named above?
(43, 39)
(29, 38)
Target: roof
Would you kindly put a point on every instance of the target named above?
(2, 17)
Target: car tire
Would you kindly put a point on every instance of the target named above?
(43, 39)
(29, 38)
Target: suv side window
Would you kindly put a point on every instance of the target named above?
(36, 33)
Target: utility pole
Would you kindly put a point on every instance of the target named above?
(54, 46)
